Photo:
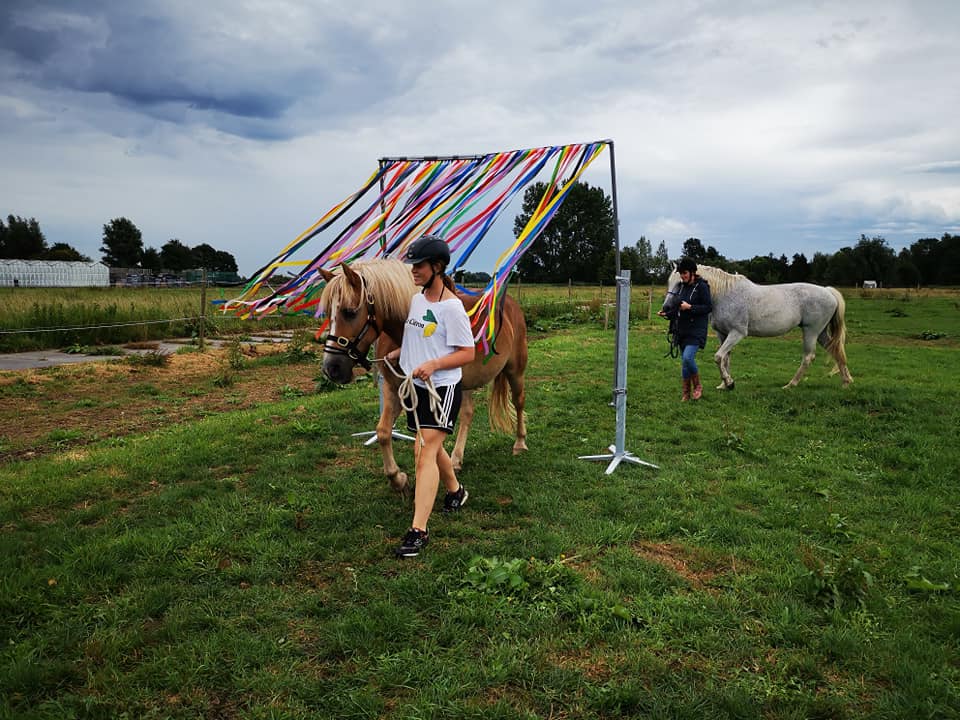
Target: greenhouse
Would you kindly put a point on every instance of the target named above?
(51, 273)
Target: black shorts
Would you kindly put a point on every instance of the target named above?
(450, 395)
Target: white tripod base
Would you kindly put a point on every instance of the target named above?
(372, 436)
(616, 458)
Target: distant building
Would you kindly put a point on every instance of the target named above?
(869, 284)
(53, 273)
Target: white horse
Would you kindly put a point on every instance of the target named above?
(742, 308)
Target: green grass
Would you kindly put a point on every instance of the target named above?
(796, 556)
(41, 318)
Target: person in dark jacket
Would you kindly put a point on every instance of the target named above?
(691, 312)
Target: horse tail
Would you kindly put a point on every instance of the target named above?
(501, 411)
(838, 331)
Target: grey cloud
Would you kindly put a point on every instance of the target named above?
(148, 61)
(943, 167)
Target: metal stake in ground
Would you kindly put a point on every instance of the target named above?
(617, 452)
(371, 435)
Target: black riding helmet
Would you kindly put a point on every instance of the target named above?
(428, 247)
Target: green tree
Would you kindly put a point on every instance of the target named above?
(875, 260)
(949, 260)
(224, 262)
(64, 252)
(713, 257)
(842, 269)
(122, 244)
(925, 254)
(799, 270)
(204, 256)
(908, 274)
(645, 262)
(637, 259)
(176, 256)
(151, 259)
(21, 239)
(765, 269)
(577, 240)
(662, 266)
(694, 249)
(818, 268)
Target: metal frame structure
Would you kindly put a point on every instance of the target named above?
(617, 452)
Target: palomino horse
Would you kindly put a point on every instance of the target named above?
(368, 301)
(742, 308)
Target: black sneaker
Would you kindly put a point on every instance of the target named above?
(453, 501)
(413, 542)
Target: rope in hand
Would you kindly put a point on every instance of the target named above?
(408, 399)
(673, 338)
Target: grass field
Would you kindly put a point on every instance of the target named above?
(42, 318)
(223, 549)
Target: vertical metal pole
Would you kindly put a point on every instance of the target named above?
(383, 208)
(203, 306)
(620, 391)
(616, 241)
(618, 452)
(613, 196)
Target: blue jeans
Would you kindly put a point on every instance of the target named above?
(688, 366)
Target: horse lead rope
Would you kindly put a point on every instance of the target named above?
(408, 399)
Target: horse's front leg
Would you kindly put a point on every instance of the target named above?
(722, 357)
(388, 418)
(464, 421)
(809, 354)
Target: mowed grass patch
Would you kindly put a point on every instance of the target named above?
(794, 556)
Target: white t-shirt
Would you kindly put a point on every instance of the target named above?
(432, 330)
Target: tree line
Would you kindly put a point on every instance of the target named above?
(122, 246)
(579, 245)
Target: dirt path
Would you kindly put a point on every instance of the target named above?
(52, 358)
(53, 408)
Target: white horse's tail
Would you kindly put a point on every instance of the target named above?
(836, 346)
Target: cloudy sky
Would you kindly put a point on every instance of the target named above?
(756, 126)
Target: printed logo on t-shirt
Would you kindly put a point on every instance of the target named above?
(430, 321)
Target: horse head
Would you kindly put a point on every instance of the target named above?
(349, 306)
(672, 299)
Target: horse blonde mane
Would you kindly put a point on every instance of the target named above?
(389, 281)
(720, 281)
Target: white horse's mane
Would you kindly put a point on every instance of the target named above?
(720, 281)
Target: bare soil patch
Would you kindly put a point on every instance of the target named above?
(692, 564)
(66, 407)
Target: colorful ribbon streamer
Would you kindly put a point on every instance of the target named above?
(457, 198)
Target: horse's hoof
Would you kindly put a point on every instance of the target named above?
(519, 447)
(399, 481)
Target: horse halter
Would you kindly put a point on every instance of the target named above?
(673, 329)
(351, 348)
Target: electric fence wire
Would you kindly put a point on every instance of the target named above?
(94, 327)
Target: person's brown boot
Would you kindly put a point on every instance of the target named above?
(696, 386)
(686, 390)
